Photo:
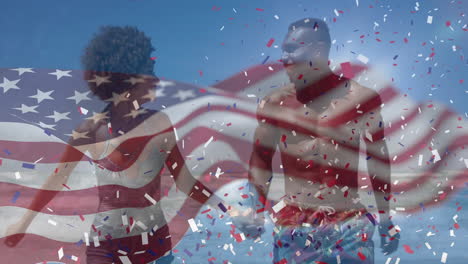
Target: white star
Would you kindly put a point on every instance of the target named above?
(59, 116)
(135, 113)
(100, 80)
(23, 70)
(77, 135)
(151, 95)
(7, 84)
(134, 80)
(98, 117)
(41, 96)
(117, 98)
(184, 94)
(26, 109)
(46, 126)
(164, 84)
(78, 97)
(60, 74)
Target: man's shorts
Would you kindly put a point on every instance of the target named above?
(318, 236)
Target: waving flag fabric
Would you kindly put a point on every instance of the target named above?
(42, 110)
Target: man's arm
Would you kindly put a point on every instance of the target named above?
(260, 165)
(380, 176)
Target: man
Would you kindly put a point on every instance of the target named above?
(313, 123)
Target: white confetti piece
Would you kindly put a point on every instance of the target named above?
(174, 165)
(452, 233)
(443, 259)
(436, 155)
(124, 220)
(420, 160)
(428, 246)
(144, 238)
(251, 95)
(17, 175)
(193, 225)
(357, 3)
(96, 241)
(206, 193)
(52, 222)
(395, 230)
(121, 252)
(86, 238)
(74, 258)
(218, 172)
(276, 17)
(208, 142)
(83, 110)
(400, 208)
(60, 253)
(466, 162)
(397, 261)
(363, 58)
(149, 198)
(336, 12)
(277, 207)
(388, 261)
(429, 19)
(125, 260)
(141, 225)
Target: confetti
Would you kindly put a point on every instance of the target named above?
(363, 58)
(193, 225)
(429, 20)
(277, 207)
(443, 259)
(149, 198)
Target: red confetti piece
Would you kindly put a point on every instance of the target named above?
(201, 73)
(270, 42)
(347, 70)
(456, 225)
(245, 196)
(300, 76)
(408, 249)
(153, 58)
(361, 256)
(202, 90)
(283, 138)
(448, 23)
(259, 9)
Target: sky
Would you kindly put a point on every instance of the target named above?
(203, 42)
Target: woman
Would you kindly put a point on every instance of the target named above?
(129, 145)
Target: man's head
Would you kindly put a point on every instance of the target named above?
(118, 52)
(306, 45)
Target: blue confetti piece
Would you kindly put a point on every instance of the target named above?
(371, 218)
(105, 218)
(368, 157)
(148, 171)
(28, 166)
(188, 252)
(7, 151)
(201, 158)
(266, 59)
(79, 243)
(15, 197)
(151, 252)
(222, 207)
(243, 134)
(48, 132)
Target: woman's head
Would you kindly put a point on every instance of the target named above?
(117, 53)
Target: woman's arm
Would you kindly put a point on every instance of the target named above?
(184, 179)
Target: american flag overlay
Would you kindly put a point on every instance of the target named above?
(123, 190)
